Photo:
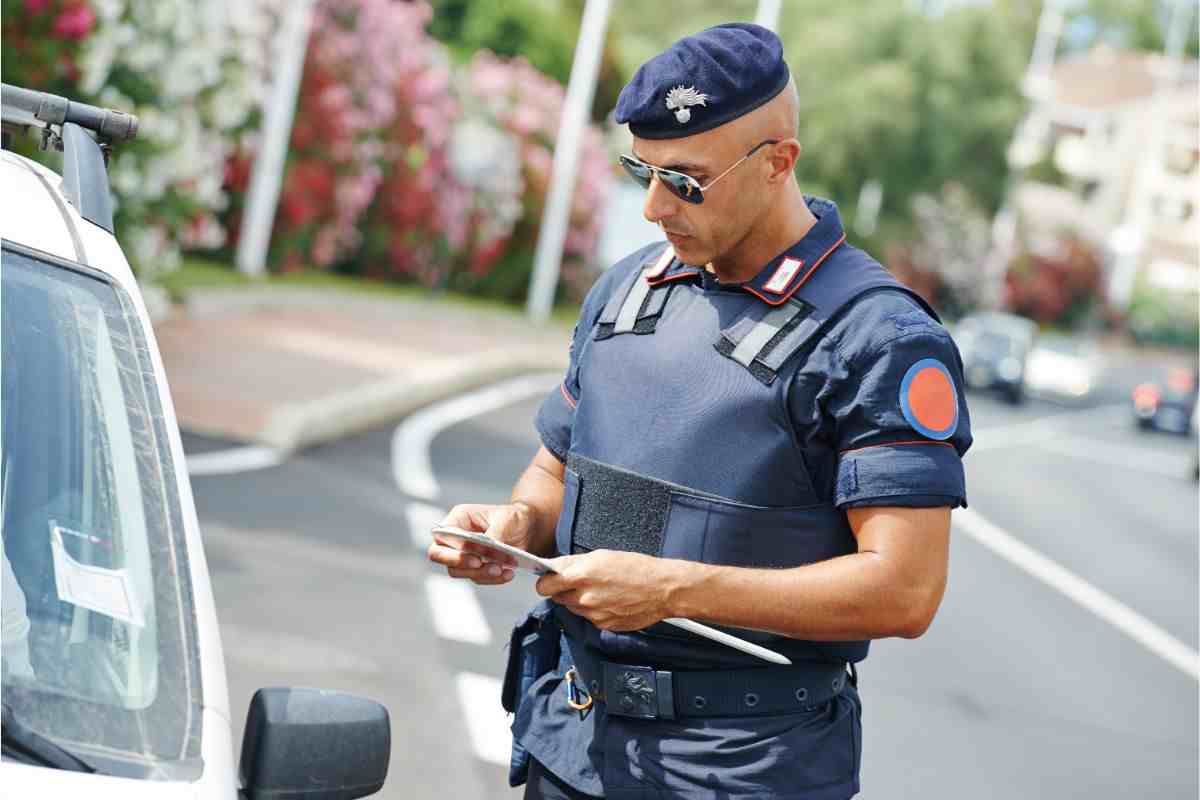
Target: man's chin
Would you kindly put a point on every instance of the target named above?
(688, 250)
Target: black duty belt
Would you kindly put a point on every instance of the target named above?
(647, 693)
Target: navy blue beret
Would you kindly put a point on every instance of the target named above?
(703, 81)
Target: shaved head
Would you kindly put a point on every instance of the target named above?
(778, 118)
(757, 209)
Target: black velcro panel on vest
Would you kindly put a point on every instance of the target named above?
(618, 509)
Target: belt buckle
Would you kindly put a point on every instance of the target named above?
(635, 692)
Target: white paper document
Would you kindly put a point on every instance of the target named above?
(105, 591)
(494, 551)
(510, 556)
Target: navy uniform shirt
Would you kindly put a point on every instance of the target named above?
(868, 438)
(876, 413)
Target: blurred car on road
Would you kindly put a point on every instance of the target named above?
(1196, 436)
(995, 348)
(113, 678)
(1063, 368)
(1167, 402)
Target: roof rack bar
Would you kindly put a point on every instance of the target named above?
(51, 109)
(85, 180)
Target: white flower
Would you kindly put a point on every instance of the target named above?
(108, 10)
(146, 56)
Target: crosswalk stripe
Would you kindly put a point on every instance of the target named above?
(487, 722)
(421, 519)
(456, 611)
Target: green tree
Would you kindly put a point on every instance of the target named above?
(1134, 24)
(912, 101)
(886, 92)
(541, 31)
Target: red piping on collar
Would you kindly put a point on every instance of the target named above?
(781, 300)
(675, 277)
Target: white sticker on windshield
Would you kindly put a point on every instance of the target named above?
(105, 591)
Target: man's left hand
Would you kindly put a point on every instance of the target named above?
(614, 590)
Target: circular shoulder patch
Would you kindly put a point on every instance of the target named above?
(929, 400)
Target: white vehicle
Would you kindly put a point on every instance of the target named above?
(1063, 368)
(114, 682)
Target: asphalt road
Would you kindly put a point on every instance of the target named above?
(1052, 670)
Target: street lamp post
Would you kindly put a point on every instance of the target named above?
(581, 88)
(768, 13)
(263, 195)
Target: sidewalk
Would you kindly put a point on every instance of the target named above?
(290, 368)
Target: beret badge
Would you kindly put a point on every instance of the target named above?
(680, 99)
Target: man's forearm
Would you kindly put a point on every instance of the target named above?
(858, 596)
(539, 493)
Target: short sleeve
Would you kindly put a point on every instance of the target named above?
(556, 416)
(899, 417)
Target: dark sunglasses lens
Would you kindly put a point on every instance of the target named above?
(682, 187)
(639, 172)
(679, 185)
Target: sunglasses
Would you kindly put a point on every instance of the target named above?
(685, 187)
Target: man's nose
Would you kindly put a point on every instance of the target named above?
(660, 203)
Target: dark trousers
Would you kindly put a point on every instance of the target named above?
(544, 785)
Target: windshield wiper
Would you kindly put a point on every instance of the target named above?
(26, 744)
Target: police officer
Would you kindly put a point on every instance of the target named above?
(759, 429)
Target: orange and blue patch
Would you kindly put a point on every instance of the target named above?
(929, 399)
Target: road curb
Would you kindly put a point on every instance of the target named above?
(302, 425)
(295, 426)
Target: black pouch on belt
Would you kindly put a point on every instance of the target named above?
(533, 651)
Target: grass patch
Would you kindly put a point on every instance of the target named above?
(198, 273)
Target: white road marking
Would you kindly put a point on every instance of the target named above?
(456, 611)
(410, 442)
(1169, 465)
(1053, 434)
(421, 519)
(487, 723)
(1103, 605)
(229, 462)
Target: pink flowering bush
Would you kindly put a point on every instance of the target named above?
(402, 165)
(41, 42)
(418, 216)
(524, 106)
(173, 64)
(360, 53)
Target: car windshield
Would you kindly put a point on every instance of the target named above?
(98, 627)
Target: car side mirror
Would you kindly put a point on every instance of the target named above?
(312, 744)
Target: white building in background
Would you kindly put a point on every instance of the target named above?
(1125, 133)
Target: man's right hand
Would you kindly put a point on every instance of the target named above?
(510, 523)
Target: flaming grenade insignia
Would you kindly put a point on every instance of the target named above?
(679, 99)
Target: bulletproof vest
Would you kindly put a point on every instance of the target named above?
(681, 445)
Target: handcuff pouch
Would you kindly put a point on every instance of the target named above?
(533, 651)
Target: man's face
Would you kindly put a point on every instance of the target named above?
(701, 233)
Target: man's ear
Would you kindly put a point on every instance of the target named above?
(783, 158)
